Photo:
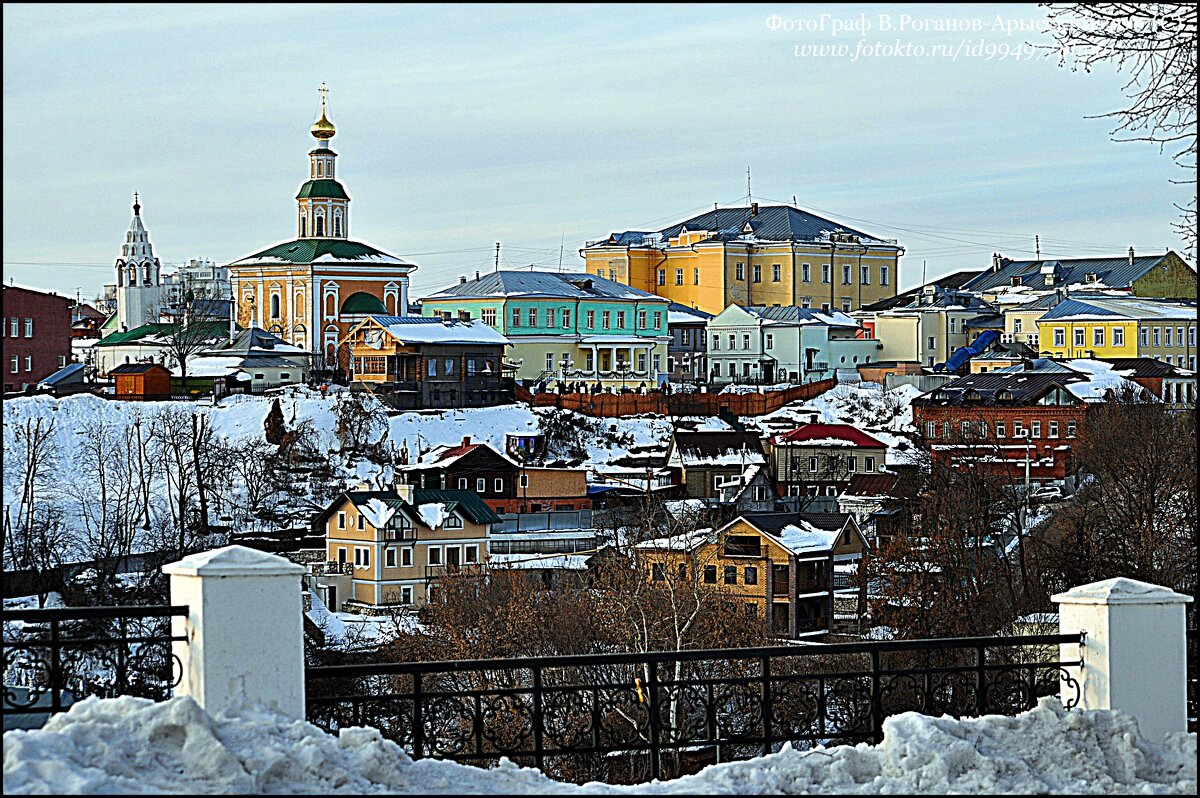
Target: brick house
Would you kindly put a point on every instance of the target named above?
(782, 567)
(467, 466)
(36, 335)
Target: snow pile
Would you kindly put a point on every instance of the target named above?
(433, 515)
(132, 745)
(377, 512)
(803, 537)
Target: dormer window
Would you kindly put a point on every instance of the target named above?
(453, 521)
(1014, 281)
(1005, 396)
(1091, 277)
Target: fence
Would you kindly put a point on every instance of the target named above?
(569, 715)
(53, 657)
(607, 405)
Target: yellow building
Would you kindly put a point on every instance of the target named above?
(781, 566)
(391, 547)
(756, 255)
(311, 289)
(1120, 327)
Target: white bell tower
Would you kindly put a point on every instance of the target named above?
(139, 276)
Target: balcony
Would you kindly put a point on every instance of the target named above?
(756, 552)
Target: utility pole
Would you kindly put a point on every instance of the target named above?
(561, 242)
(497, 256)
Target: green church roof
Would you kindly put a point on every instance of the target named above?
(362, 302)
(322, 188)
(308, 250)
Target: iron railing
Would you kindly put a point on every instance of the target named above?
(84, 651)
(575, 717)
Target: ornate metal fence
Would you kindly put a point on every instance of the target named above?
(53, 657)
(630, 717)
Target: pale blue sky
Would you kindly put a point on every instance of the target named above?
(462, 126)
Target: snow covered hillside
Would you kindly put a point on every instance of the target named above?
(131, 745)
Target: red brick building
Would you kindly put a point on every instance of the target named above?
(986, 419)
(37, 335)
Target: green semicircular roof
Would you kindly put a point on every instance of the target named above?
(324, 188)
(362, 302)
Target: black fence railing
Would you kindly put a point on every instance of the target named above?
(632, 717)
(54, 657)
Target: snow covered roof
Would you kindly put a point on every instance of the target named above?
(686, 541)
(793, 315)
(1107, 308)
(830, 435)
(558, 562)
(715, 448)
(434, 330)
(804, 538)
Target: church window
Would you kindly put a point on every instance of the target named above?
(274, 306)
(337, 223)
(303, 225)
(320, 226)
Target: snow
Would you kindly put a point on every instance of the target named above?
(1100, 377)
(433, 515)
(803, 537)
(437, 331)
(377, 512)
(563, 562)
(133, 745)
(683, 542)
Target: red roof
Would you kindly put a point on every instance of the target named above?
(820, 432)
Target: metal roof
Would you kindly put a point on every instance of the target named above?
(566, 285)
(953, 280)
(1113, 272)
(796, 315)
(307, 250)
(771, 223)
(1120, 307)
(323, 188)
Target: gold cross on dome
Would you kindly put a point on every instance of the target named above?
(323, 91)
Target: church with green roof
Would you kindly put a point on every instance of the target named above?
(310, 290)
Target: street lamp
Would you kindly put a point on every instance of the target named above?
(564, 364)
(624, 370)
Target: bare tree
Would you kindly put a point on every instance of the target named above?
(188, 332)
(1155, 44)
(362, 424)
(34, 539)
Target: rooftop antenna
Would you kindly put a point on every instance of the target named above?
(922, 272)
(561, 242)
(1037, 246)
(795, 204)
(497, 256)
(748, 185)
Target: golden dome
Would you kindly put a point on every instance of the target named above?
(323, 129)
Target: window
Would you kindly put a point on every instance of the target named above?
(1118, 336)
(770, 341)
(1097, 336)
(550, 317)
(776, 272)
(1157, 336)
(362, 557)
(825, 273)
(28, 328)
(406, 594)
(716, 344)
(549, 361)
(566, 318)
(1018, 429)
(695, 277)
(389, 558)
(757, 273)
(498, 484)
(662, 276)
(965, 428)
(1000, 431)
(471, 553)
(1017, 325)
(15, 327)
(480, 485)
(1036, 429)
(641, 319)
(710, 574)
(532, 317)
(812, 464)
(612, 274)
(606, 319)
(516, 317)
(806, 272)
(361, 522)
(341, 516)
(62, 362)
(932, 341)
(845, 274)
(462, 483)
(1079, 336)
(732, 342)
(883, 275)
(806, 302)
(679, 277)
(1060, 336)
(588, 361)
(731, 574)
(740, 271)
(1143, 338)
(846, 305)
(406, 557)
(682, 571)
(591, 319)
(745, 340)
(1053, 428)
(620, 320)
(745, 369)
(851, 464)
(864, 275)
(1070, 429)
(750, 575)
(1166, 336)
(658, 572)
(434, 555)
(868, 463)
(1179, 336)
(1191, 336)
(658, 320)
(930, 429)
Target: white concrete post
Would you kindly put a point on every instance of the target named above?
(245, 635)
(1133, 653)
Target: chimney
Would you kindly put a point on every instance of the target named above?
(754, 209)
(995, 261)
(1131, 256)
(477, 274)
(466, 440)
(403, 489)
(462, 279)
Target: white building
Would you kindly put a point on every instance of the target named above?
(139, 286)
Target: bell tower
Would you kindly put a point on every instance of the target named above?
(323, 207)
(139, 276)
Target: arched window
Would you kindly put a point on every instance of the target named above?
(132, 274)
(320, 226)
(274, 306)
(337, 223)
(330, 305)
(299, 305)
(303, 225)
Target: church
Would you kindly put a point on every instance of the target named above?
(310, 290)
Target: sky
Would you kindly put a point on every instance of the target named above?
(545, 127)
